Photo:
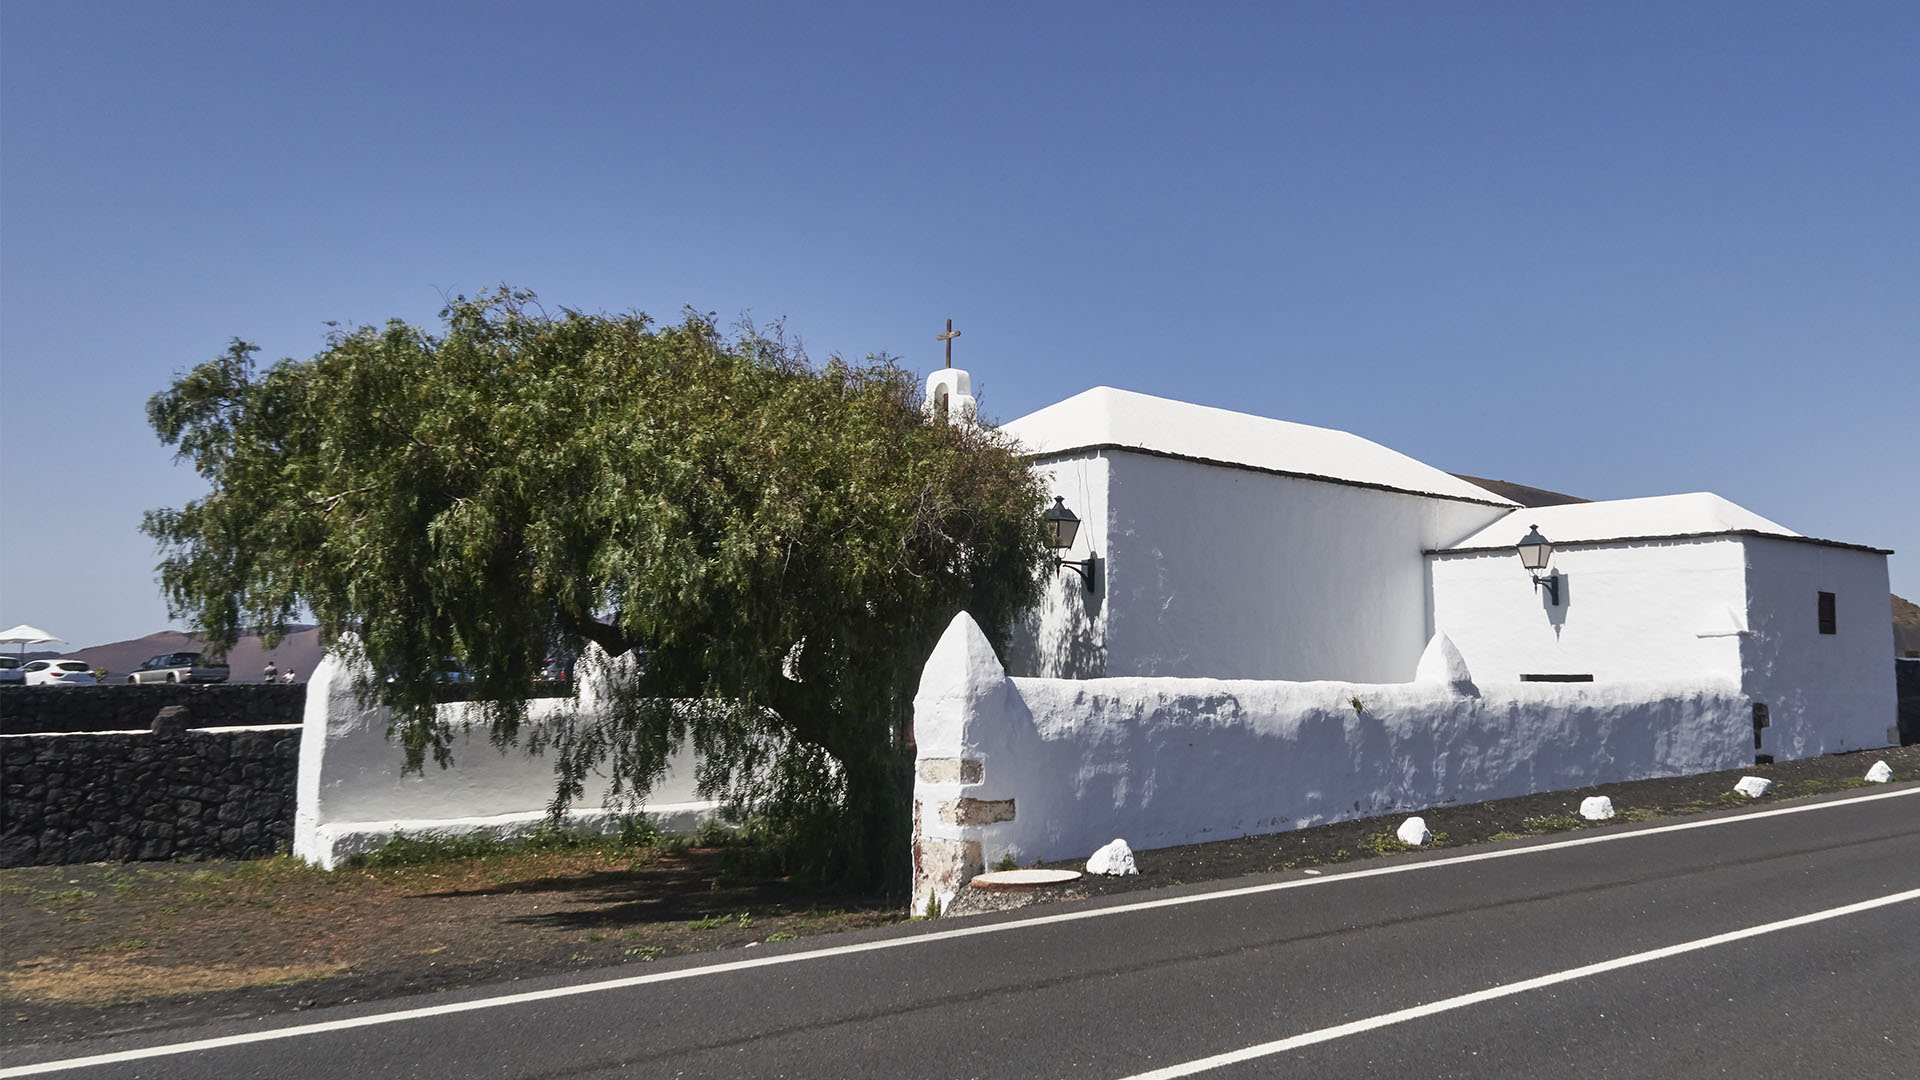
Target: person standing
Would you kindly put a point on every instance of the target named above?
(270, 674)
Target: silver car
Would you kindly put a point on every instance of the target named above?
(11, 673)
(178, 667)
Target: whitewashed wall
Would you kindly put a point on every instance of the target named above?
(1826, 693)
(1646, 611)
(1052, 768)
(353, 797)
(1065, 635)
(1224, 572)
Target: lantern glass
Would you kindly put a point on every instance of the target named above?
(1063, 524)
(1535, 550)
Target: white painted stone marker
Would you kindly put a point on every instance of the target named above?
(1413, 832)
(1596, 808)
(1113, 860)
(1753, 786)
(1879, 774)
(1021, 880)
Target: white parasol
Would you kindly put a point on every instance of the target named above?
(24, 635)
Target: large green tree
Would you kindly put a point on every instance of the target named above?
(777, 545)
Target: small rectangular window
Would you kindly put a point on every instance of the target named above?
(1826, 614)
(1556, 678)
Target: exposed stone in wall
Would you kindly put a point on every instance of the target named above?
(124, 796)
(950, 770)
(977, 811)
(32, 709)
(942, 867)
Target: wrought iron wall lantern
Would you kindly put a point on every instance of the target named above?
(1535, 550)
(1062, 526)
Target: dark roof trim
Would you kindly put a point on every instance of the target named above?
(1099, 447)
(1724, 534)
(1523, 494)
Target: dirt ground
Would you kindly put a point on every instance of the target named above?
(89, 950)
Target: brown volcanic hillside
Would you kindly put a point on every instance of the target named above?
(1906, 627)
(299, 650)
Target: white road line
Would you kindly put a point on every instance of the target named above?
(506, 1000)
(1371, 1023)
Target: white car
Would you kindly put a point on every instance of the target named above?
(59, 673)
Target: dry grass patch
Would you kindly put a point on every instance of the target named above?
(111, 978)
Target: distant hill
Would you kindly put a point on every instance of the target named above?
(1906, 627)
(299, 650)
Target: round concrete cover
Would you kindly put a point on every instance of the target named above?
(1016, 880)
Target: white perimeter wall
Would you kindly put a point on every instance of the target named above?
(1052, 769)
(1826, 693)
(352, 795)
(1224, 572)
(1666, 610)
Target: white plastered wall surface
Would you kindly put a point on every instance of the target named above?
(1650, 588)
(1630, 612)
(352, 795)
(1236, 545)
(1065, 634)
(1825, 693)
(1235, 573)
(1053, 768)
(1678, 587)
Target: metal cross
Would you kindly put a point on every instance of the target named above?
(948, 338)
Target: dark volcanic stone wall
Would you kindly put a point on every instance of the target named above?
(29, 709)
(123, 796)
(1907, 672)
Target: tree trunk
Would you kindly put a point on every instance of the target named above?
(879, 804)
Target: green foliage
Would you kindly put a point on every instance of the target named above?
(402, 850)
(777, 545)
(743, 920)
(714, 832)
(1006, 862)
(1385, 843)
(1550, 823)
(639, 831)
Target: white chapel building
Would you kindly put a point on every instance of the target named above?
(1225, 545)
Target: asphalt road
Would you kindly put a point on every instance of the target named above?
(1595, 956)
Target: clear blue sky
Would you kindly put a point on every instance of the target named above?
(1611, 249)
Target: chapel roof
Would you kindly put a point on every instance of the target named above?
(1699, 513)
(1105, 418)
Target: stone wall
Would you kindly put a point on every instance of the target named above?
(1907, 674)
(193, 794)
(36, 709)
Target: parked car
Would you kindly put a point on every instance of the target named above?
(179, 667)
(58, 673)
(11, 673)
(450, 671)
